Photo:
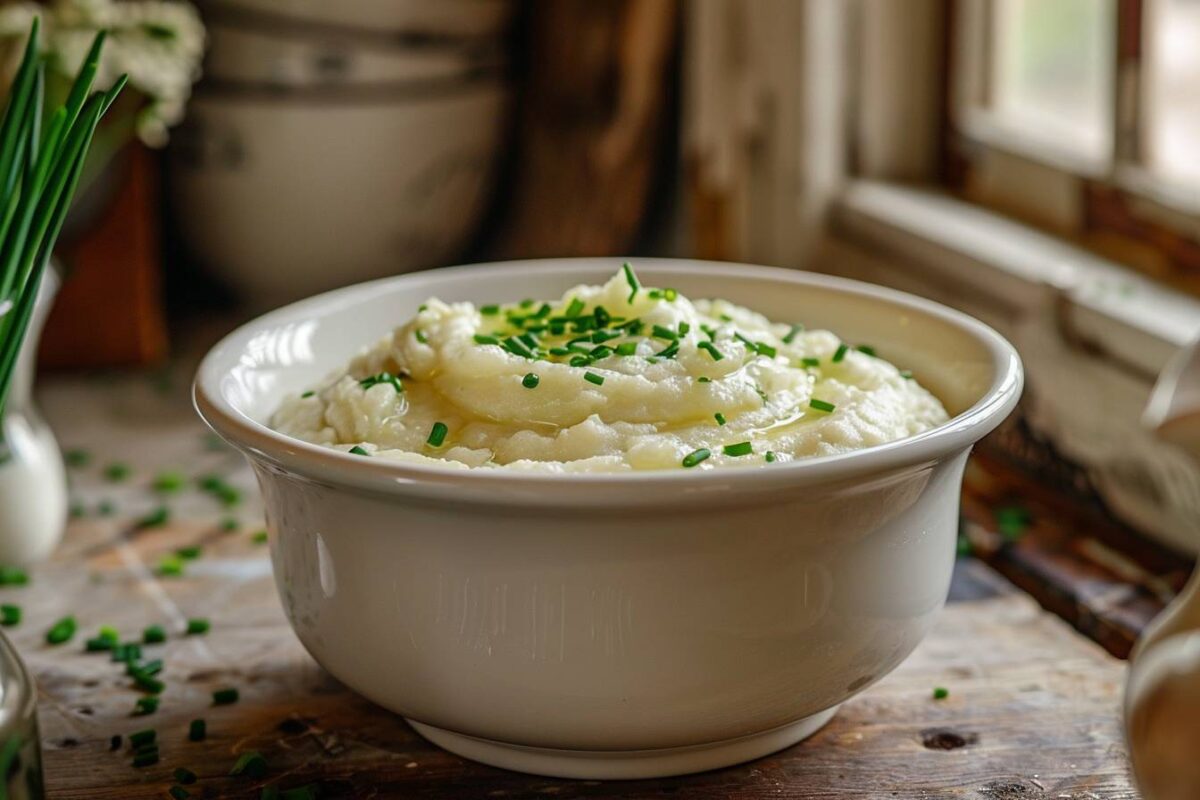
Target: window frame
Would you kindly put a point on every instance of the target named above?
(1116, 206)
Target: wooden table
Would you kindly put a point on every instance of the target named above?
(1033, 710)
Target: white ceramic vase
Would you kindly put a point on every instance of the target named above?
(33, 482)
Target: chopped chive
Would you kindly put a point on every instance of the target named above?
(229, 524)
(250, 763)
(114, 743)
(143, 737)
(184, 775)
(542, 312)
(603, 351)
(308, 394)
(143, 706)
(739, 449)
(225, 697)
(489, 310)
(146, 681)
(382, 377)
(791, 334)
(155, 519)
(770, 456)
(169, 481)
(218, 488)
(13, 576)
(632, 280)
(670, 351)
(867, 349)
(809, 361)
(821, 405)
(422, 307)
(575, 308)
(696, 456)
(77, 457)
(906, 374)
(117, 472)
(659, 332)
(76, 510)
(197, 625)
(197, 730)
(127, 652)
(601, 317)
(10, 615)
(483, 339)
(764, 349)
(437, 434)
(420, 336)
(528, 340)
(684, 328)
(599, 337)
(725, 318)
(940, 693)
(670, 295)
(592, 377)
(530, 381)
(357, 450)
(526, 303)
(151, 758)
(154, 634)
(97, 645)
(719, 417)
(179, 793)
(259, 537)
(703, 379)
(626, 348)
(560, 351)
(61, 631)
(189, 553)
(170, 567)
(106, 508)
(152, 667)
(840, 353)
(712, 350)
(518, 348)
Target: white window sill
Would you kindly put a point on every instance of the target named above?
(1118, 312)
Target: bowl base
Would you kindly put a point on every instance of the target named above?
(624, 764)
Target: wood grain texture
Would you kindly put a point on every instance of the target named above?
(1033, 710)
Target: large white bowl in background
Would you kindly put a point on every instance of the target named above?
(283, 195)
(620, 625)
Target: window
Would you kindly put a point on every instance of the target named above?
(1083, 116)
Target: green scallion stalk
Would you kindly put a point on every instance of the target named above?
(840, 353)
(593, 378)
(821, 405)
(696, 456)
(791, 334)
(739, 449)
(809, 361)
(720, 418)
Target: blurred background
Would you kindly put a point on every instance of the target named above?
(1033, 162)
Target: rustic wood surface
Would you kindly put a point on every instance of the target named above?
(1033, 710)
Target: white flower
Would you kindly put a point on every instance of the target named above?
(158, 43)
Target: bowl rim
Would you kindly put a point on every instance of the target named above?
(657, 487)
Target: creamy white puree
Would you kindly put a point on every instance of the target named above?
(652, 410)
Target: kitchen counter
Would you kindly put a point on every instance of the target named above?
(1033, 709)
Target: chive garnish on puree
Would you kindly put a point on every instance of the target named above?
(739, 449)
(821, 405)
(840, 353)
(696, 456)
(437, 434)
(382, 377)
(358, 451)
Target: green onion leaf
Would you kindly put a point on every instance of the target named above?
(490, 310)
(142, 738)
(61, 631)
(575, 308)
(141, 707)
(592, 377)
(154, 634)
(259, 537)
(809, 361)
(10, 615)
(739, 449)
(696, 456)
(483, 339)
(225, 697)
(791, 335)
(358, 451)
(117, 472)
(840, 353)
(867, 349)
(821, 405)
(627, 348)
(155, 519)
(197, 730)
(530, 381)
(770, 456)
(719, 417)
(940, 693)
(251, 764)
(197, 626)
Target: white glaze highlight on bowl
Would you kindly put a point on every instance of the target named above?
(612, 625)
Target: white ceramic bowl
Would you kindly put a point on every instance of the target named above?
(282, 196)
(621, 625)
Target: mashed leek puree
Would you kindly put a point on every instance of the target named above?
(608, 378)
